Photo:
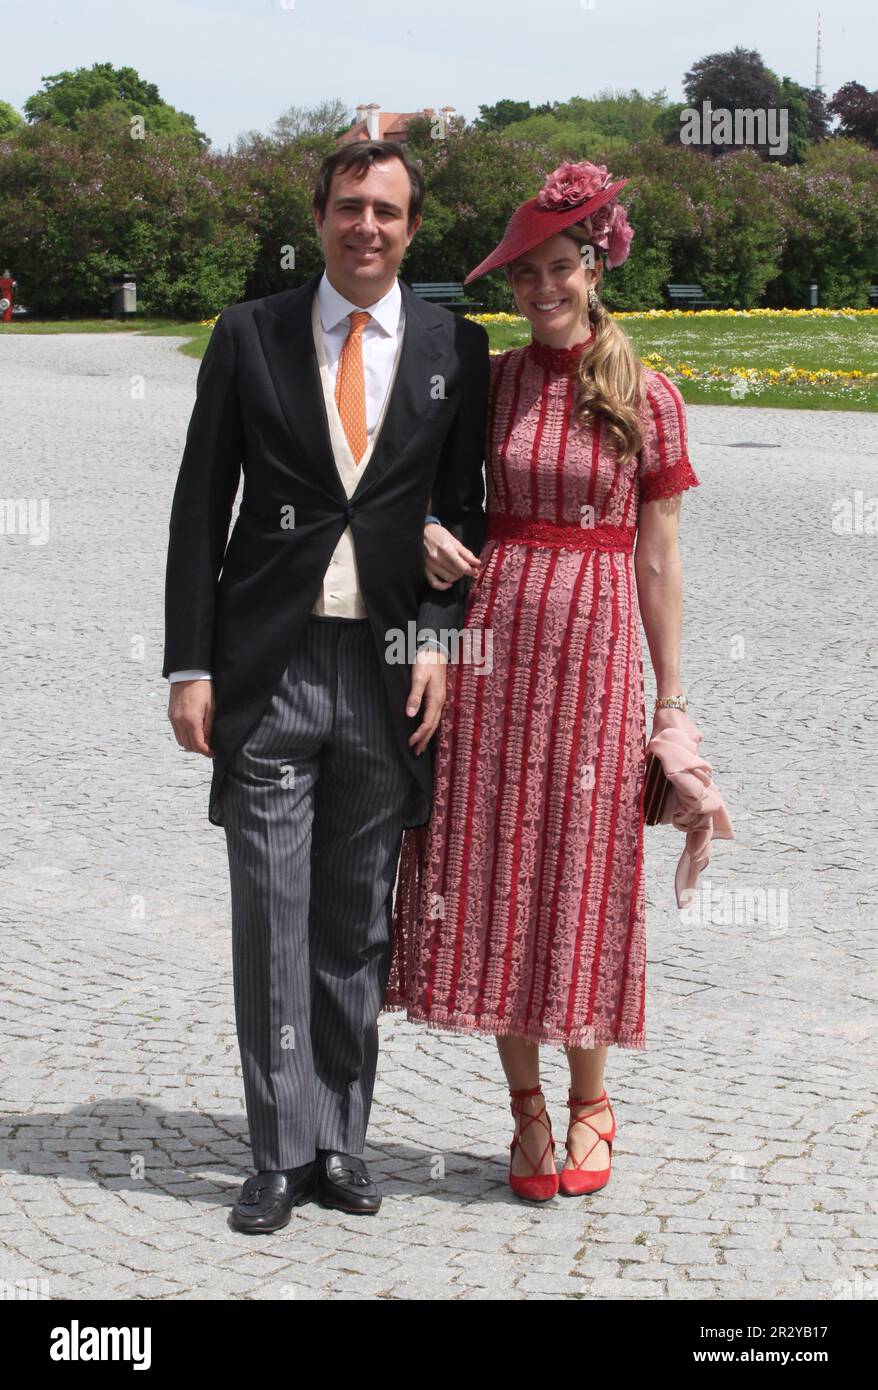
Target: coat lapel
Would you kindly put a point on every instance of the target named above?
(288, 344)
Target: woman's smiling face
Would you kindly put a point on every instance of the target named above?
(551, 284)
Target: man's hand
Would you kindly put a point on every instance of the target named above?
(446, 558)
(428, 685)
(190, 710)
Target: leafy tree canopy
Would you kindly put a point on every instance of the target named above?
(67, 96)
(857, 109)
(326, 118)
(9, 118)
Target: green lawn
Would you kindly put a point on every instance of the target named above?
(195, 333)
(837, 344)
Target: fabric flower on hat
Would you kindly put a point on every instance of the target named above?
(570, 184)
(610, 230)
(607, 228)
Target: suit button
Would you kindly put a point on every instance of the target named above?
(351, 512)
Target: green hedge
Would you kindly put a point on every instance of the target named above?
(201, 230)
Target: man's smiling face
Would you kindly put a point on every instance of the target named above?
(365, 232)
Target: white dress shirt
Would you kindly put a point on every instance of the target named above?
(382, 336)
(382, 339)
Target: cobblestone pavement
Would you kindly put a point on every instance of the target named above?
(745, 1161)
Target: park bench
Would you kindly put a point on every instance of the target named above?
(446, 293)
(689, 297)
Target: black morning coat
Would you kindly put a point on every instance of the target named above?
(237, 609)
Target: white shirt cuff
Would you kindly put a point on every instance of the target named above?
(434, 642)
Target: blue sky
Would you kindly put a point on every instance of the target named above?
(236, 64)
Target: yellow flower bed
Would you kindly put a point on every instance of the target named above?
(768, 376)
(701, 314)
(673, 314)
(745, 313)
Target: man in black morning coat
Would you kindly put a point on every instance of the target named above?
(281, 664)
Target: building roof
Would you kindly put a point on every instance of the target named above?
(392, 125)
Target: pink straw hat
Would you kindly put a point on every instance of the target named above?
(572, 193)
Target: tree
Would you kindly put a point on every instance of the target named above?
(857, 109)
(79, 205)
(829, 207)
(67, 97)
(628, 116)
(819, 115)
(327, 118)
(734, 81)
(808, 119)
(503, 113)
(739, 81)
(731, 80)
(281, 176)
(10, 120)
(582, 127)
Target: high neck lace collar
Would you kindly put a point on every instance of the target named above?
(558, 359)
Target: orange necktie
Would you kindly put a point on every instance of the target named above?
(350, 385)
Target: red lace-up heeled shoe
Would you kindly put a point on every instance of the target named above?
(573, 1182)
(542, 1186)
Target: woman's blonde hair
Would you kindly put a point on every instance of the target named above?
(610, 381)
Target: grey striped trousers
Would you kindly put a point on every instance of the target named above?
(314, 806)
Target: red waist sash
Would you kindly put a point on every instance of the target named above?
(564, 536)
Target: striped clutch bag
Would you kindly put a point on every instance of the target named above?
(655, 791)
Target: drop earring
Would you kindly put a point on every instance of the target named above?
(592, 298)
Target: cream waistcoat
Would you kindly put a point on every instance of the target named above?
(340, 595)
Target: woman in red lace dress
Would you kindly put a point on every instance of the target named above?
(520, 906)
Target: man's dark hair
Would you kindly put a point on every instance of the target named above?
(361, 155)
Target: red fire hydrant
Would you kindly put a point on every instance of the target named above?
(8, 286)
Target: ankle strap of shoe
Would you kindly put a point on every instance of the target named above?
(521, 1095)
(574, 1100)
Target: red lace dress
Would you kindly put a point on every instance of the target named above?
(520, 905)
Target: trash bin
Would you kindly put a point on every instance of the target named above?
(811, 295)
(124, 291)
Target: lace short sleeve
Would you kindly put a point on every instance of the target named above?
(663, 462)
